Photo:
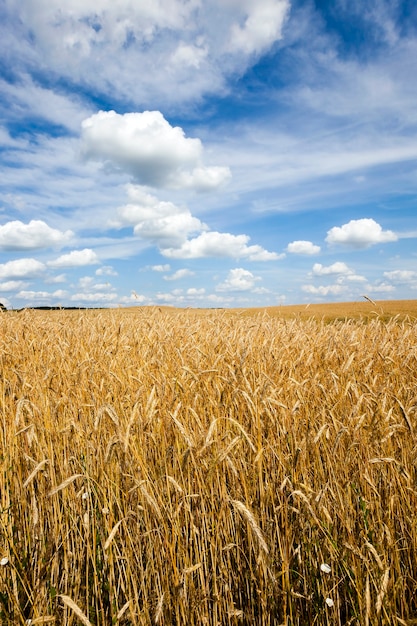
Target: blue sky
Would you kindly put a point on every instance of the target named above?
(207, 153)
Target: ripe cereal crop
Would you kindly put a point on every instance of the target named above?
(183, 467)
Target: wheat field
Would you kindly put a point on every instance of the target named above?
(221, 468)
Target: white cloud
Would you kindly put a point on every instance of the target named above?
(220, 245)
(11, 285)
(193, 291)
(361, 233)
(167, 297)
(303, 247)
(85, 282)
(401, 276)
(40, 296)
(101, 298)
(355, 278)
(239, 279)
(262, 27)
(134, 297)
(147, 147)
(170, 50)
(33, 295)
(336, 268)
(163, 223)
(33, 101)
(189, 55)
(60, 294)
(179, 274)
(161, 268)
(324, 290)
(36, 234)
(59, 278)
(169, 227)
(76, 258)
(22, 268)
(103, 287)
(381, 287)
(106, 270)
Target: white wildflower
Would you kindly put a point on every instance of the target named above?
(325, 568)
(329, 602)
(4, 561)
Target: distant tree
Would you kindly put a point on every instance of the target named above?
(2, 307)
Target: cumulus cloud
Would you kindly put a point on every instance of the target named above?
(193, 291)
(215, 244)
(36, 234)
(303, 247)
(335, 268)
(94, 297)
(401, 276)
(161, 222)
(381, 288)
(76, 258)
(179, 274)
(324, 290)
(361, 233)
(11, 285)
(172, 227)
(160, 268)
(40, 296)
(239, 279)
(106, 270)
(147, 147)
(354, 278)
(22, 268)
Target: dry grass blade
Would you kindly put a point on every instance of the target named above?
(76, 609)
(123, 610)
(65, 484)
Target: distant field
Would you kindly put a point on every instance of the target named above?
(191, 467)
(355, 310)
(364, 309)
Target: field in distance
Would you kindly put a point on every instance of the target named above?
(364, 309)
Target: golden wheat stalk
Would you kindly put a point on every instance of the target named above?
(248, 515)
(76, 609)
